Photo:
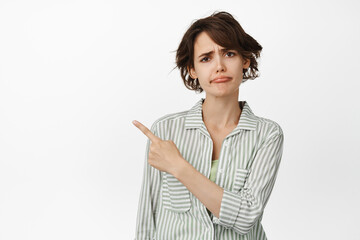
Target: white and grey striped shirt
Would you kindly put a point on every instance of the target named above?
(248, 165)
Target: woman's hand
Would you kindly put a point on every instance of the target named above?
(163, 154)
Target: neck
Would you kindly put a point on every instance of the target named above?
(221, 112)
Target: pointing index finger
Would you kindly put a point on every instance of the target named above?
(146, 131)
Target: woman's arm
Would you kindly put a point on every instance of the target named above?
(201, 187)
(239, 211)
(148, 201)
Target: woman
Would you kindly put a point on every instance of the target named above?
(209, 171)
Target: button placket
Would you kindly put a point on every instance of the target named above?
(220, 170)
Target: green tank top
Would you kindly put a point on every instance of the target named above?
(214, 166)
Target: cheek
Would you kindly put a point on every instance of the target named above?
(205, 71)
(201, 82)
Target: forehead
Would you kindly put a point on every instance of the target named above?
(203, 42)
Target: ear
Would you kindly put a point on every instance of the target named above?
(192, 73)
(246, 63)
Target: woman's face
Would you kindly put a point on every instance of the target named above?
(212, 61)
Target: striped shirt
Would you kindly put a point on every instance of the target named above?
(248, 165)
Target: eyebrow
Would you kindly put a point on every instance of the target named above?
(211, 52)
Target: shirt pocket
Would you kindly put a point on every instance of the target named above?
(176, 197)
(241, 175)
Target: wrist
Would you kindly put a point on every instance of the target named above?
(179, 168)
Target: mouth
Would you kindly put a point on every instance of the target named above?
(221, 80)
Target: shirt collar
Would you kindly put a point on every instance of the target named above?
(248, 120)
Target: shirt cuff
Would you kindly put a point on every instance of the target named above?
(231, 204)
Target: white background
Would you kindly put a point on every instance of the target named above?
(74, 74)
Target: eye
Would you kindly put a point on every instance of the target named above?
(231, 54)
(202, 60)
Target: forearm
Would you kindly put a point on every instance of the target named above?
(200, 186)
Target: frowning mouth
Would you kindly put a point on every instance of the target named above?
(221, 79)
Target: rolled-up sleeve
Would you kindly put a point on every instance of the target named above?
(240, 210)
(149, 196)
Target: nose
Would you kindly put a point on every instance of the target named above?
(220, 67)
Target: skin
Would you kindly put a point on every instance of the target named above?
(221, 113)
(220, 108)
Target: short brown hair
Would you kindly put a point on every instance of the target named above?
(225, 31)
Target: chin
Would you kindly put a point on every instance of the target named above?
(220, 94)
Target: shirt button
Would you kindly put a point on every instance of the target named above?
(220, 170)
